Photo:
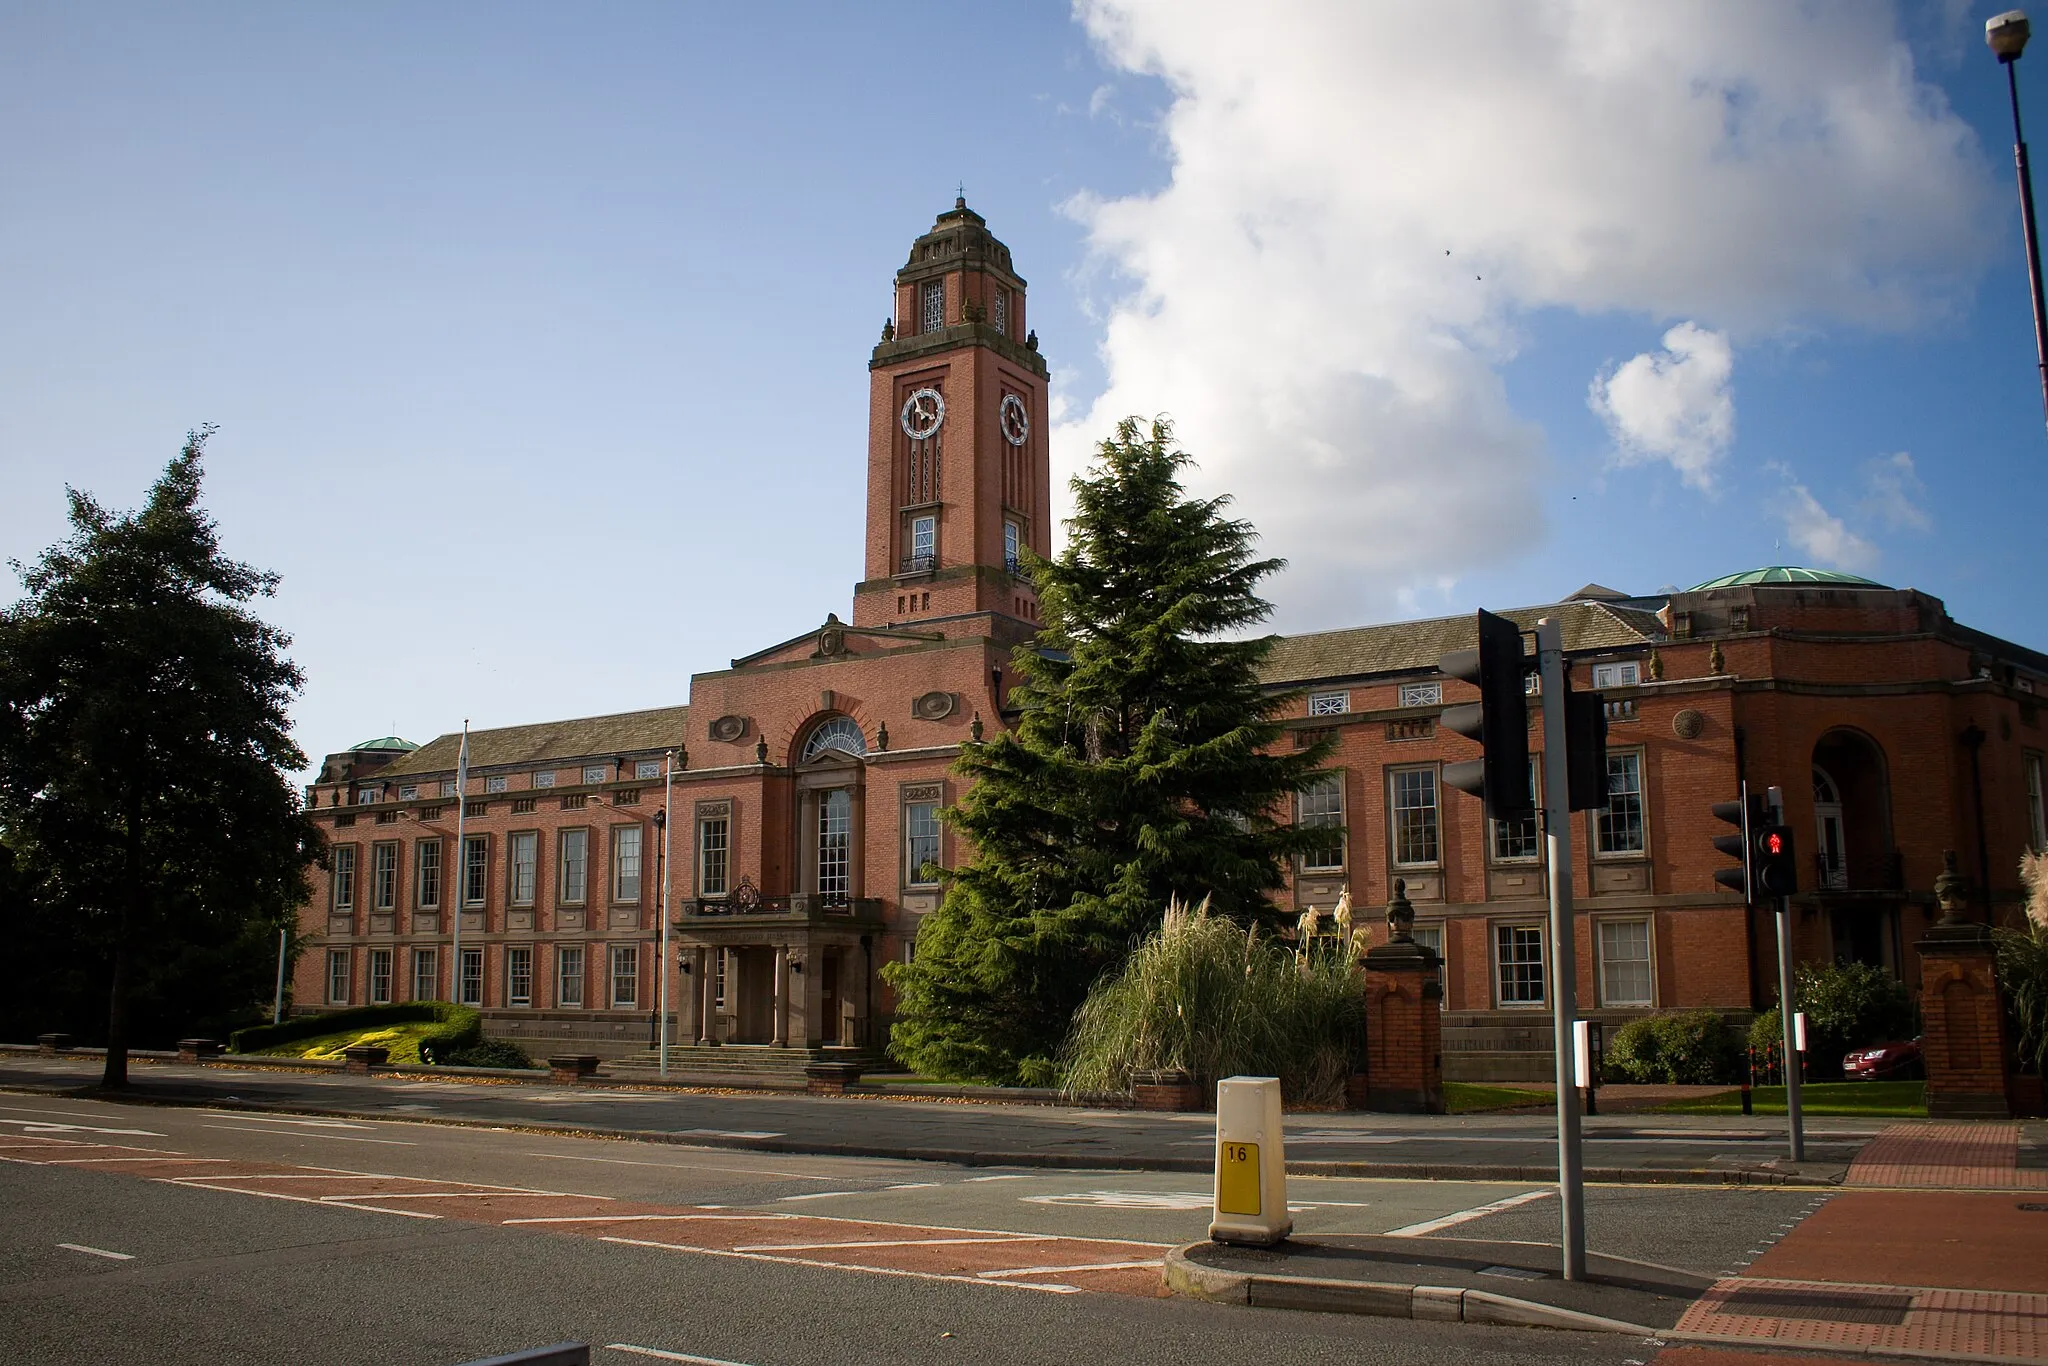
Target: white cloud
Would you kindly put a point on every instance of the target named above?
(1672, 405)
(1820, 536)
(1896, 494)
(1367, 200)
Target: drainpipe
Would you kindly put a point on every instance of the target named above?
(1973, 740)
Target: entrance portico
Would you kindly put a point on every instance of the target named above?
(798, 970)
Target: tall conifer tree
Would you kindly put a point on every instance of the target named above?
(1143, 766)
(144, 752)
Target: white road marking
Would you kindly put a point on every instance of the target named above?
(928, 1185)
(98, 1252)
(742, 1133)
(686, 1166)
(179, 1158)
(465, 1195)
(296, 1121)
(1349, 1204)
(844, 1266)
(827, 1195)
(1054, 1270)
(890, 1242)
(1463, 1215)
(648, 1218)
(1126, 1199)
(44, 1126)
(195, 1183)
(660, 1355)
(1020, 1176)
(341, 1138)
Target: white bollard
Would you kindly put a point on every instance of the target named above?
(1251, 1164)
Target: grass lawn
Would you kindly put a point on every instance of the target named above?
(402, 1039)
(1875, 1099)
(1465, 1098)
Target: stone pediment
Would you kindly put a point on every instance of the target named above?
(835, 639)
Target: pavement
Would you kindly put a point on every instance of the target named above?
(1710, 1150)
(1931, 1250)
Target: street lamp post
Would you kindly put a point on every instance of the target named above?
(668, 792)
(2006, 34)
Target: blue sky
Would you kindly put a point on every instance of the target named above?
(537, 335)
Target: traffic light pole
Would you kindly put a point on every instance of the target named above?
(1787, 1004)
(1557, 827)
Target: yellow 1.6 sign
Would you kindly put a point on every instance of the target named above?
(1237, 1178)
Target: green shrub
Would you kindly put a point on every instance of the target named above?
(1847, 1005)
(2023, 969)
(1205, 996)
(1680, 1048)
(485, 1053)
(461, 1026)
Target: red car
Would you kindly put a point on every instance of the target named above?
(1883, 1062)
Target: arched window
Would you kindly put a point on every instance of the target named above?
(839, 733)
(1831, 848)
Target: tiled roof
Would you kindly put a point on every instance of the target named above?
(1409, 646)
(582, 738)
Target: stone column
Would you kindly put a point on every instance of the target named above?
(781, 996)
(1962, 1015)
(707, 1018)
(1404, 1018)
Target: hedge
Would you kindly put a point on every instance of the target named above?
(462, 1026)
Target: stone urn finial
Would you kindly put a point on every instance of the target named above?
(1400, 915)
(1951, 890)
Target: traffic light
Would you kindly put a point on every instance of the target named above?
(1585, 748)
(1737, 846)
(1499, 720)
(1777, 874)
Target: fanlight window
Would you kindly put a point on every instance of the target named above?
(839, 733)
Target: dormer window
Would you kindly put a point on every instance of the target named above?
(934, 311)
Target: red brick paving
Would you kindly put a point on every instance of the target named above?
(1979, 1156)
(1728, 1356)
(1971, 1268)
(1974, 1242)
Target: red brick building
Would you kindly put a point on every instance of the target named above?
(809, 776)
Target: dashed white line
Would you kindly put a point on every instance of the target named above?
(98, 1252)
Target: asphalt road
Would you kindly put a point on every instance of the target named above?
(1476, 1145)
(215, 1267)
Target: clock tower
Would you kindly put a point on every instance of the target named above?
(958, 478)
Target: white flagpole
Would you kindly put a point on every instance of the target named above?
(668, 790)
(461, 861)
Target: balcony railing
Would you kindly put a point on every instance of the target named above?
(918, 564)
(810, 907)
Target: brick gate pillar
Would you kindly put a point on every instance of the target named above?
(1962, 1014)
(1404, 1018)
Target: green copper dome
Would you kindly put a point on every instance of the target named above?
(386, 743)
(1786, 573)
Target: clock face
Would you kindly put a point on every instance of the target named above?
(923, 411)
(1016, 423)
